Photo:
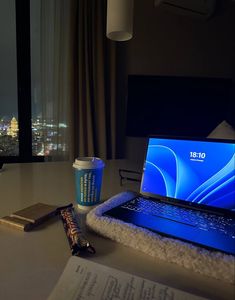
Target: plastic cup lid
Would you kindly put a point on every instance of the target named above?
(88, 163)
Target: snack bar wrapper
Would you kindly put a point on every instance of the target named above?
(77, 242)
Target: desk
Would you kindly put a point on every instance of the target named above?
(31, 262)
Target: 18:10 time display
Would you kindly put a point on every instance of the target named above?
(200, 155)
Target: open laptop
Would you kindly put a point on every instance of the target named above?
(187, 192)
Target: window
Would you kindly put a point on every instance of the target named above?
(9, 142)
(33, 118)
(15, 95)
(49, 32)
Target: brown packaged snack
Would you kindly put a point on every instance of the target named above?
(77, 242)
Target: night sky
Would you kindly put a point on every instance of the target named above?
(8, 82)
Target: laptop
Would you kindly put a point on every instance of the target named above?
(187, 192)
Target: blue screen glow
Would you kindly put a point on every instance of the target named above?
(196, 171)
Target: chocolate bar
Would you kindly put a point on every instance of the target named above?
(77, 242)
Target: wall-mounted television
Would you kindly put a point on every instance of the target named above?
(177, 106)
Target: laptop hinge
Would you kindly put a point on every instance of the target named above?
(190, 205)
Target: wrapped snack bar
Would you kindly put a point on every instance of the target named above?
(77, 242)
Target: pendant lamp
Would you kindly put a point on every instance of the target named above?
(119, 20)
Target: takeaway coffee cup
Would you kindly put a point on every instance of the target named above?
(88, 180)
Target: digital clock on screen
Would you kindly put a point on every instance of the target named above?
(199, 155)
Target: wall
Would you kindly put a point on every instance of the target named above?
(167, 43)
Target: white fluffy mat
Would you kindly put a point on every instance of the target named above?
(210, 263)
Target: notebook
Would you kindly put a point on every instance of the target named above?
(187, 192)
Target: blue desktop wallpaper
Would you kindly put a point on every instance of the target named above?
(197, 171)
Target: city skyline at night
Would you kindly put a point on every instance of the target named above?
(45, 135)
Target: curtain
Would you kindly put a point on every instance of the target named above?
(78, 80)
(57, 77)
(96, 107)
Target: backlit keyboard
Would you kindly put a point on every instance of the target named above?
(191, 217)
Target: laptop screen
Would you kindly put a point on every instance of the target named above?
(200, 172)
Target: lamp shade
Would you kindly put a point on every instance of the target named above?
(119, 19)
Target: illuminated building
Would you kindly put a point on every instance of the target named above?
(13, 128)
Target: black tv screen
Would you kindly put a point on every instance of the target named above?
(178, 106)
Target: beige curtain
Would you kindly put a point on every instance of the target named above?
(95, 109)
(78, 80)
(57, 77)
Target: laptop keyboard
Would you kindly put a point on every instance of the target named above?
(195, 218)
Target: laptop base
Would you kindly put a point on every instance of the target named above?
(176, 228)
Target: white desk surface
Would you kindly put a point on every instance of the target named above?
(31, 262)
